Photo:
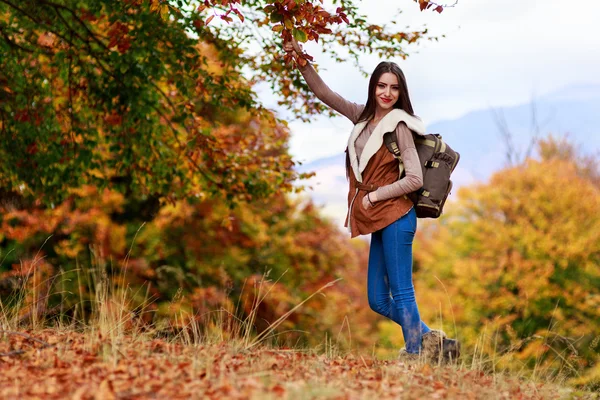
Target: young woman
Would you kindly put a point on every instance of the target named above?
(377, 201)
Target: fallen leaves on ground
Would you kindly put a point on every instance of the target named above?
(68, 364)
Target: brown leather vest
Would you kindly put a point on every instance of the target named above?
(381, 170)
(374, 168)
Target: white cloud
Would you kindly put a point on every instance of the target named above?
(324, 137)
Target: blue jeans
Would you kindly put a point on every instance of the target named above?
(389, 285)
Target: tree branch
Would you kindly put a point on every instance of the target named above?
(49, 28)
(82, 23)
(21, 11)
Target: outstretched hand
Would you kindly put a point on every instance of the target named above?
(292, 46)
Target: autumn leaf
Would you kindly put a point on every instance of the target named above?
(288, 23)
(46, 39)
(239, 14)
(164, 11)
(299, 35)
(276, 17)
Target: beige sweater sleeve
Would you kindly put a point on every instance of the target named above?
(413, 179)
(326, 95)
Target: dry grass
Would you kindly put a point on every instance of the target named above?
(77, 365)
(110, 354)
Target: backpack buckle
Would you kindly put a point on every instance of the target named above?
(431, 164)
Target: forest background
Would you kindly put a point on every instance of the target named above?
(135, 152)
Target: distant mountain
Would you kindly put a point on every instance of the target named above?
(574, 111)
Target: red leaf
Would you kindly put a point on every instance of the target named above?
(32, 148)
(279, 390)
(22, 116)
(124, 45)
(239, 14)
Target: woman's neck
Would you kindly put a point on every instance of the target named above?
(380, 113)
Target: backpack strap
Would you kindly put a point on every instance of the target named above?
(389, 138)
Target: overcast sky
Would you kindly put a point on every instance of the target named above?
(495, 53)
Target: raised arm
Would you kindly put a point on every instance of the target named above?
(347, 108)
(413, 180)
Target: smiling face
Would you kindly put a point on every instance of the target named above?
(387, 91)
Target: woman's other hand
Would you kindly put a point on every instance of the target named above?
(369, 200)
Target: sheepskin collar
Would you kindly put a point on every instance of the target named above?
(387, 124)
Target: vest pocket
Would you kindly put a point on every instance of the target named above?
(362, 196)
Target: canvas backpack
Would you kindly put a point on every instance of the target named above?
(438, 161)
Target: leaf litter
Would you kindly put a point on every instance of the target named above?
(57, 364)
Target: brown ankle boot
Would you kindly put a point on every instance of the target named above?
(431, 344)
(436, 347)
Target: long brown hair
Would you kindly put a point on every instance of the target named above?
(403, 98)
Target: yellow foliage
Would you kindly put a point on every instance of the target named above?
(521, 251)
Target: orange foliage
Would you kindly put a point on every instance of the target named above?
(192, 259)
